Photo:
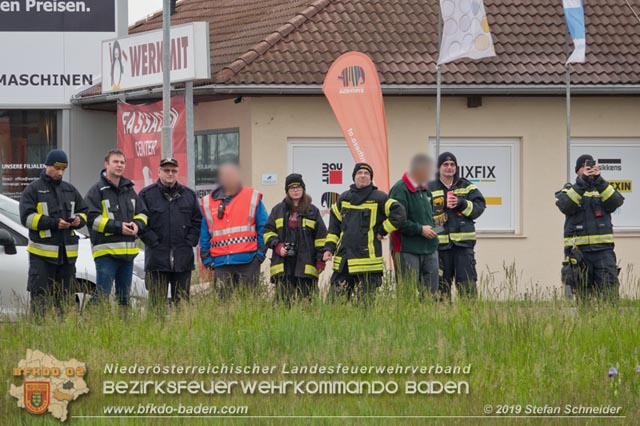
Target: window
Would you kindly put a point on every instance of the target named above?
(493, 164)
(618, 159)
(19, 239)
(214, 147)
(26, 136)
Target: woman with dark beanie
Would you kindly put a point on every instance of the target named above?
(296, 233)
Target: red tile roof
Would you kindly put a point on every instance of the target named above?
(293, 42)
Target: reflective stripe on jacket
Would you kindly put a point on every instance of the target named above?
(234, 232)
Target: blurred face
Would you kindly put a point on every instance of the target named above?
(295, 192)
(168, 175)
(229, 178)
(55, 172)
(422, 174)
(581, 170)
(115, 165)
(448, 169)
(363, 178)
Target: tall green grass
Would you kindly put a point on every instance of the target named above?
(526, 352)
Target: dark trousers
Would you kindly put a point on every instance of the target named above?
(290, 288)
(421, 269)
(458, 264)
(361, 284)
(230, 278)
(599, 277)
(158, 283)
(49, 284)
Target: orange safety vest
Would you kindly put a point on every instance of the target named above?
(236, 231)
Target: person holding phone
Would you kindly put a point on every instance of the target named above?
(52, 210)
(414, 245)
(590, 265)
(116, 217)
(457, 204)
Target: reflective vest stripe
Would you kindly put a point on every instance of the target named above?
(142, 217)
(43, 209)
(234, 240)
(365, 261)
(465, 191)
(438, 193)
(336, 212)
(607, 193)
(279, 223)
(115, 249)
(319, 242)
(232, 230)
(252, 207)
(586, 240)
(100, 225)
(388, 226)
(277, 269)
(268, 235)
(336, 262)
(443, 239)
(462, 236)
(32, 221)
(311, 270)
(573, 195)
(43, 250)
(387, 206)
(332, 238)
(83, 216)
(467, 211)
(309, 223)
(206, 210)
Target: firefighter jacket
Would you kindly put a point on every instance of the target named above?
(173, 229)
(459, 222)
(309, 239)
(231, 233)
(587, 206)
(359, 215)
(109, 207)
(43, 203)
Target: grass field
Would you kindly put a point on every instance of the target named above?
(521, 353)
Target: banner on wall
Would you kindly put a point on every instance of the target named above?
(352, 88)
(140, 138)
(617, 159)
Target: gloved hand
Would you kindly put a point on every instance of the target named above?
(320, 266)
(280, 250)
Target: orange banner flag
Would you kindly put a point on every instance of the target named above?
(352, 88)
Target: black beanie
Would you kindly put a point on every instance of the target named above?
(56, 157)
(447, 156)
(294, 179)
(359, 166)
(581, 160)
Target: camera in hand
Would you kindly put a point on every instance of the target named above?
(290, 248)
(590, 163)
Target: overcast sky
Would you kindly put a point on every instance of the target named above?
(138, 9)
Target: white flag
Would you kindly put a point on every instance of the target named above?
(465, 33)
(574, 15)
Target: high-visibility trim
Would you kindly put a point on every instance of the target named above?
(206, 203)
(332, 238)
(337, 260)
(365, 261)
(591, 194)
(573, 195)
(388, 226)
(83, 216)
(462, 236)
(438, 193)
(607, 193)
(467, 211)
(142, 217)
(585, 240)
(43, 250)
(465, 191)
(373, 206)
(572, 260)
(279, 222)
(277, 269)
(72, 250)
(387, 206)
(311, 270)
(255, 195)
(309, 223)
(319, 242)
(100, 225)
(443, 239)
(32, 221)
(368, 268)
(43, 209)
(115, 249)
(232, 230)
(268, 235)
(336, 212)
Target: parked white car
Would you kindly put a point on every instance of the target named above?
(14, 264)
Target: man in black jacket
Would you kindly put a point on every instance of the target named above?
(360, 219)
(116, 216)
(588, 231)
(52, 209)
(172, 233)
(457, 203)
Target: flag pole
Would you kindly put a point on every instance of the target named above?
(568, 107)
(438, 86)
(166, 79)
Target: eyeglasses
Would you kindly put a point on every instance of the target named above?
(170, 171)
(295, 187)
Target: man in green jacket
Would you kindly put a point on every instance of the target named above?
(414, 245)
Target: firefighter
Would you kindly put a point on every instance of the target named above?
(231, 236)
(359, 220)
(116, 217)
(52, 210)
(296, 233)
(415, 245)
(172, 233)
(590, 266)
(457, 203)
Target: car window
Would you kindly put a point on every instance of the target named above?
(19, 239)
(10, 208)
